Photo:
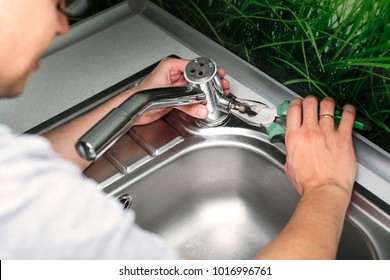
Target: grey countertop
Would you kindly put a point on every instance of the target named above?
(101, 52)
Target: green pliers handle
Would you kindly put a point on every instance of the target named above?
(276, 131)
(360, 122)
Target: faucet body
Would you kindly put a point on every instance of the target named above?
(204, 86)
(202, 72)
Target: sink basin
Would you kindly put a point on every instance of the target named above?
(219, 193)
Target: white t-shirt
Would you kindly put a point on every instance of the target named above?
(49, 210)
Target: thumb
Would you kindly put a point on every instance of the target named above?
(198, 111)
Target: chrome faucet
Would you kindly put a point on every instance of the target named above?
(204, 85)
(202, 72)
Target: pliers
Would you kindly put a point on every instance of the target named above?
(274, 119)
(256, 113)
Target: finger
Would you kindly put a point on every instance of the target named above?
(226, 86)
(175, 67)
(175, 63)
(294, 114)
(347, 119)
(310, 110)
(221, 73)
(326, 118)
(198, 111)
(178, 79)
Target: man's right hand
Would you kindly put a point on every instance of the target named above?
(318, 154)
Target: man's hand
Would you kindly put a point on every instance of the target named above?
(321, 165)
(318, 154)
(169, 72)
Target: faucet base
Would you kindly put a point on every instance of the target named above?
(207, 123)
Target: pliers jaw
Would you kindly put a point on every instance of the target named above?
(253, 112)
(242, 109)
(260, 115)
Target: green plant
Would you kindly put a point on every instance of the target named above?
(337, 48)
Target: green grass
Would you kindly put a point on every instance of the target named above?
(337, 48)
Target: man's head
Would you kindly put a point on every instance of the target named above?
(27, 27)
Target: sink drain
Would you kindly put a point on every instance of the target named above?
(126, 200)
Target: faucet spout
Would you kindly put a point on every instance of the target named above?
(115, 124)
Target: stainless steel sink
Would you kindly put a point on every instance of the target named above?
(219, 193)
